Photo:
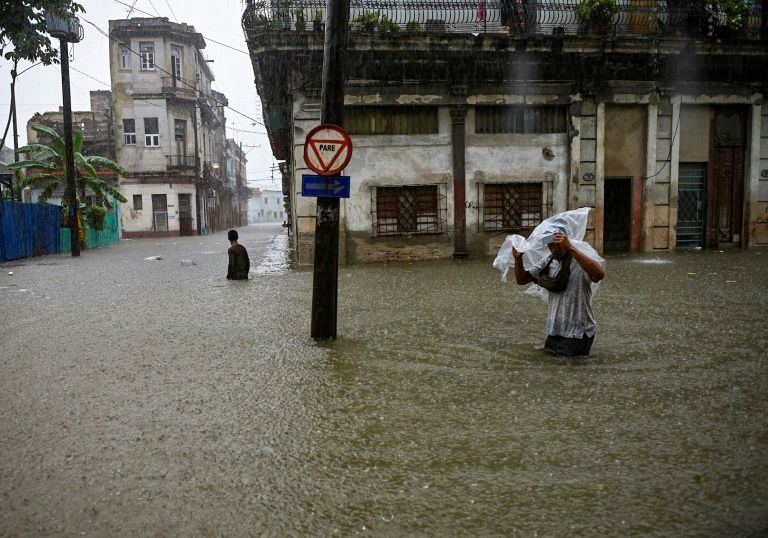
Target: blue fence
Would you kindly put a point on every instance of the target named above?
(28, 230)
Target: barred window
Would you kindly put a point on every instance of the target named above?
(522, 119)
(512, 206)
(408, 210)
(138, 203)
(391, 120)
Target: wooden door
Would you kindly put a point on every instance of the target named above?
(725, 196)
(185, 214)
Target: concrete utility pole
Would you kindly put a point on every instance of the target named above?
(326, 271)
(15, 129)
(69, 155)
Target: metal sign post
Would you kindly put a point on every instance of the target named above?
(326, 268)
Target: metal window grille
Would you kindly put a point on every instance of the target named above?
(522, 119)
(515, 207)
(691, 205)
(159, 212)
(391, 120)
(408, 210)
(138, 203)
(147, 53)
(180, 129)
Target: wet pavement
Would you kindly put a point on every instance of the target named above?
(155, 398)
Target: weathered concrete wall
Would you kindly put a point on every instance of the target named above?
(508, 158)
(139, 222)
(694, 133)
(583, 189)
(759, 221)
(625, 135)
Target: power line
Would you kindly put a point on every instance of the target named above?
(172, 13)
(204, 36)
(102, 32)
(153, 7)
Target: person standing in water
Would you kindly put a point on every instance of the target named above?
(567, 275)
(239, 263)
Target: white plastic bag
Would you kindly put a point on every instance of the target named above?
(535, 250)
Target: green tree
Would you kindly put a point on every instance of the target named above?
(23, 34)
(47, 167)
(22, 26)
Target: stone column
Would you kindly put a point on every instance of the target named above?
(458, 143)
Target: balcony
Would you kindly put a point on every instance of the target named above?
(182, 163)
(524, 18)
(179, 88)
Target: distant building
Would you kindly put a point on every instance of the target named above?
(236, 164)
(169, 129)
(266, 206)
(96, 126)
(471, 121)
(6, 157)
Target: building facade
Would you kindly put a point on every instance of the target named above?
(97, 127)
(169, 128)
(470, 124)
(266, 206)
(236, 177)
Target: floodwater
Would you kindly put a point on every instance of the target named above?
(155, 398)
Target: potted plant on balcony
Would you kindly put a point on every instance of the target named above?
(283, 14)
(317, 22)
(368, 21)
(387, 25)
(597, 13)
(301, 22)
(413, 27)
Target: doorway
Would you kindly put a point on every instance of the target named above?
(691, 205)
(617, 219)
(159, 213)
(725, 186)
(185, 214)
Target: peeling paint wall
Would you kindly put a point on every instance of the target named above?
(694, 133)
(759, 220)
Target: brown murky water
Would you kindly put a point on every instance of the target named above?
(154, 398)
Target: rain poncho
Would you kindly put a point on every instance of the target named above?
(535, 250)
(570, 312)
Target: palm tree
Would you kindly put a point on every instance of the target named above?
(48, 170)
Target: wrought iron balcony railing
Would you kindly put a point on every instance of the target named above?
(673, 18)
(182, 162)
(178, 87)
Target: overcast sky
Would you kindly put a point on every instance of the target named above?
(39, 89)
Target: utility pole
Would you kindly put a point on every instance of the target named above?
(238, 183)
(74, 236)
(325, 281)
(14, 74)
(197, 172)
(67, 28)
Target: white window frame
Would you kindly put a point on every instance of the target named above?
(147, 53)
(129, 137)
(151, 140)
(177, 66)
(124, 56)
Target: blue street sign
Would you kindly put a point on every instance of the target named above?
(329, 186)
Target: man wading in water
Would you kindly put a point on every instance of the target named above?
(239, 263)
(570, 320)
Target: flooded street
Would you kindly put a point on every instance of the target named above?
(155, 398)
